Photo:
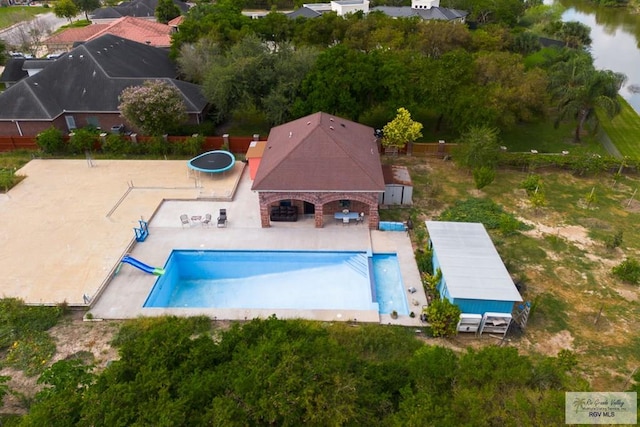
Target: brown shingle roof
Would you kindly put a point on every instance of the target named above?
(128, 27)
(320, 152)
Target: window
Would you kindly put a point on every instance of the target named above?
(71, 123)
(93, 121)
(345, 204)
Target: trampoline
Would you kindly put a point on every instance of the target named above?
(212, 161)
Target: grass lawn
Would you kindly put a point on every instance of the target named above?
(14, 14)
(624, 130)
(563, 261)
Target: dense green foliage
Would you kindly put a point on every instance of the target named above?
(628, 271)
(484, 211)
(179, 372)
(166, 11)
(370, 65)
(23, 334)
(50, 140)
(443, 317)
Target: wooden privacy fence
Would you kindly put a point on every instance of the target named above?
(431, 149)
(237, 144)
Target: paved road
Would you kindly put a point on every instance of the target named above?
(46, 21)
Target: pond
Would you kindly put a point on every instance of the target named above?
(616, 41)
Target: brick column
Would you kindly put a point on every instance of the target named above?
(319, 215)
(264, 216)
(374, 217)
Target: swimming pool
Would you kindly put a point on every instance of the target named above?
(280, 280)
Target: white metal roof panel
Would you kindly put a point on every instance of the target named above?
(470, 264)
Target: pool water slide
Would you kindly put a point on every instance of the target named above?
(157, 271)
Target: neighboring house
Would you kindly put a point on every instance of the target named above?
(176, 22)
(83, 87)
(303, 12)
(473, 276)
(136, 29)
(428, 10)
(144, 9)
(344, 7)
(17, 69)
(320, 164)
(425, 9)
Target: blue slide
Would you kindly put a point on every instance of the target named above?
(142, 266)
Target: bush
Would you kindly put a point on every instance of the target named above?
(83, 140)
(483, 176)
(485, 211)
(50, 141)
(424, 260)
(443, 317)
(532, 184)
(628, 271)
(612, 242)
(116, 144)
(158, 146)
(31, 353)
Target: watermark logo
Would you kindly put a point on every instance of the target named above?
(601, 408)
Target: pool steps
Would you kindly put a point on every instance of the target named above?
(360, 264)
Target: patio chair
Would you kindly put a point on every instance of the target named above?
(345, 220)
(184, 219)
(360, 218)
(222, 219)
(206, 222)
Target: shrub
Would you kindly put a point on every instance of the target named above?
(485, 211)
(612, 242)
(158, 146)
(628, 271)
(83, 140)
(424, 260)
(443, 317)
(532, 184)
(50, 141)
(116, 144)
(483, 176)
(31, 353)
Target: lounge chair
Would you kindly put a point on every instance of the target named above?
(222, 219)
(360, 218)
(184, 219)
(206, 222)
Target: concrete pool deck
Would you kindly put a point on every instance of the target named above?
(67, 225)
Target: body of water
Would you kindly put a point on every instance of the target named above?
(615, 33)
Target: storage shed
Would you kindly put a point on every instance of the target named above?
(254, 155)
(398, 188)
(473, 275)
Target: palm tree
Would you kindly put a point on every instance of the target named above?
(579, 89)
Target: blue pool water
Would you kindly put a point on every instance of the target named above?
(280, 280)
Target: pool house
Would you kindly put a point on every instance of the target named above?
(473, 275)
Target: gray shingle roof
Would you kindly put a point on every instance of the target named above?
(136, 8)
(303, 12)
(434, 13)
(13, 71)
(90, 78)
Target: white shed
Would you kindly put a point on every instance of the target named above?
(398, 188)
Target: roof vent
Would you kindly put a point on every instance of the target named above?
(308, 123)
(343, 125)
(331, 118)
(70, 56)
(148, 42)
(290, 134)
(331, 127)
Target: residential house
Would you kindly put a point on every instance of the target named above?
(144, 9)
(19, 68)
(319, 165)
(136, 29)
(83, 87)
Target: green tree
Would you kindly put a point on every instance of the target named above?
(478, 147)
(155, 107)
(50, 141)
(578, 89)
(65, 9)
(166, 11)
(87, 6)
(401, 130)
(443, 317)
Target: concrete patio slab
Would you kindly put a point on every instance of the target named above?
(68, 225)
